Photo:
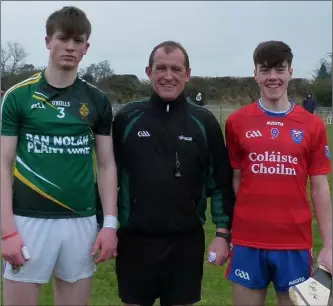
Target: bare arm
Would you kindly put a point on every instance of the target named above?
(106, 175)
(236, 180)
(8, 150)
(321, 201)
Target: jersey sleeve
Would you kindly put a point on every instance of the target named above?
(10, 115)
(118, 128)
(219, 180)
(232, 143)
(319, 162)
(116, 137)
(104, 124)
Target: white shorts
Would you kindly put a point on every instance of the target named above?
(59, 246)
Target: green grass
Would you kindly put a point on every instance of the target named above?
(216, 290)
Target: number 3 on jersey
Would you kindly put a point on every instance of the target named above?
(61, 112)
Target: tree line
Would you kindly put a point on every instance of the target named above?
(128, 87)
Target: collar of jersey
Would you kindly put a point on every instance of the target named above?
(272, 113)
(162, 104)
(44, 80)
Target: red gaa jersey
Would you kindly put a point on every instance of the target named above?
(275, 153)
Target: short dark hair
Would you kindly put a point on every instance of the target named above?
(169, 46)
(70, 20)
(272, 53)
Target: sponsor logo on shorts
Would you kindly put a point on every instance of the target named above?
(296, 281)
(242, 274)
(16, 269)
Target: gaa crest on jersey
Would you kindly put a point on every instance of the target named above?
(84, 111)
(327, 152)
(296, 135)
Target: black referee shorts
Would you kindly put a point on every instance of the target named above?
(170, 268)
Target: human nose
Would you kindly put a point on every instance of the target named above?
(168, 74)
(70, 46)
(272, 74)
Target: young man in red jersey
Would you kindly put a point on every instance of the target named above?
(274, 147)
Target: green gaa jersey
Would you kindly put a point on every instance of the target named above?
(54, 173)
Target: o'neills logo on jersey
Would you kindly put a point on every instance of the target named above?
(272, 163)
(61, 103)
(274, 123)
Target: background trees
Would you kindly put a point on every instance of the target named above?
(215, 90)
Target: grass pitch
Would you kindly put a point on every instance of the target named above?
(216, 290)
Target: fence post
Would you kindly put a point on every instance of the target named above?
(220, 115)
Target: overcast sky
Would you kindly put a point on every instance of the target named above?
(219, 36)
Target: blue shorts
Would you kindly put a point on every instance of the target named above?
(256, 268)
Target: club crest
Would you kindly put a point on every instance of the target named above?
(84, 111)
(327, 152)
(296, 135)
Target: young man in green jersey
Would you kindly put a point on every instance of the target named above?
(51, 124)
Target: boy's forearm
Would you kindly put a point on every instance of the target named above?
(321, 202)
(107, 185)
(235, 183)
(7, 217)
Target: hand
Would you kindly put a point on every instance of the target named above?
(106, 242)
(220, 247)
(11, 250)
(325, 258)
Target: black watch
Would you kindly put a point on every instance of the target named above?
(226, 236)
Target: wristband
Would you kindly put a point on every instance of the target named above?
(226, 236)
(5, 237)
(110, 222)
(25, 253)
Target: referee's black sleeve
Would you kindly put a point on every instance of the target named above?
(219, 181)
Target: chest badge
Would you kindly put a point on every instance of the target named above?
(296, 135)
(84, 111)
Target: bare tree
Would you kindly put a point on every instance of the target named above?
(99, 71)
(18, 55)
(12, 57)
(5, 57)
